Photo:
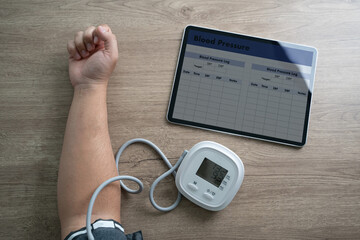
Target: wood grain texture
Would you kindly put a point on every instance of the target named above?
(288, 193)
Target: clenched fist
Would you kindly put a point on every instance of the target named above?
(92, 56)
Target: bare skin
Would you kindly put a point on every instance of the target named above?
(87, 158)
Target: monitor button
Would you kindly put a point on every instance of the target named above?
(208, 196)
(193, 186)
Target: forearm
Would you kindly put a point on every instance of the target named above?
(87, 158)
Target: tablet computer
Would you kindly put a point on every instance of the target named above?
(243, 85)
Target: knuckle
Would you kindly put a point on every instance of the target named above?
(88, 33)
(105, 25)
(78, 35)
(70, 45)
(89, 29)
(87, 38)
(79, 42)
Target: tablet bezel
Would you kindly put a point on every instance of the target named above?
(177, 75)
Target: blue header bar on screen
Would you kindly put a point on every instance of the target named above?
(250, 47)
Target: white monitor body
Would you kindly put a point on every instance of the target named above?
(210, 175)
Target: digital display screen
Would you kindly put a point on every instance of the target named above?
(211, 172)
(243, 85)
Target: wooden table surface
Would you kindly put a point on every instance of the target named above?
(287, 193)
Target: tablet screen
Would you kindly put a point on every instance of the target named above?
(243, 85)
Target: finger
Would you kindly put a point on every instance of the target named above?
(109, 39)
(108, 29)
(72, 50)
(88, 38)
(79, 43)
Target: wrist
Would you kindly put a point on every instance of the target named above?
(92, 89)
(100, 86)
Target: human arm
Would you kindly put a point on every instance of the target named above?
(87, 158)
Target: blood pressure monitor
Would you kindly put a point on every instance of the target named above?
(210, 175)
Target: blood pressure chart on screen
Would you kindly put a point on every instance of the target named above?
(254, 88)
